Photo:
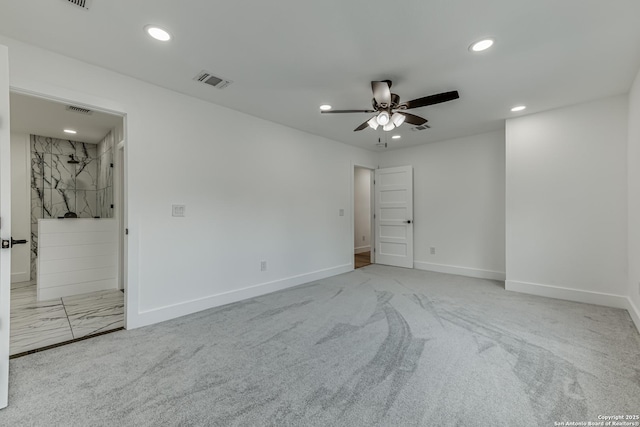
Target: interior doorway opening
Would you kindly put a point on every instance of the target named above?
(363, 224)
(67, 188)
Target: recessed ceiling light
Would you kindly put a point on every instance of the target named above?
(325, 107)
(518, 108)
(396, 137)
(70, 131)
(158, 33)
(481, 45)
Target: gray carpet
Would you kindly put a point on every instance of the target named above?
(380, 346)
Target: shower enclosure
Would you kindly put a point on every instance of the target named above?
(69, 179)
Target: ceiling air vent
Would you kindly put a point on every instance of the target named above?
(81, 3)
(80, 110)
(211, 80)
(421, 127)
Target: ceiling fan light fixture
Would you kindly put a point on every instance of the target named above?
(389, 126)
(398, 119)
(373, 123)
(383, 118)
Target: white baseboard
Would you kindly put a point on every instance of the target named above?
(362, 249)
(20, 277)
(461, 271)
(577, 295)
(634, 312)
(45, 294)
(173, 311)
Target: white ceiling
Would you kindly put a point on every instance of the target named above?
(37, 116)
(286, 57)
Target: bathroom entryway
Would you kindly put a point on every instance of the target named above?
(68, 281)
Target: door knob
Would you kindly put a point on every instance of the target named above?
(6, 244)
(408, 221)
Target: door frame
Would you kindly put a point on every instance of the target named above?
(352, 225)
(104, 106)
(120, 199)
(26, 275)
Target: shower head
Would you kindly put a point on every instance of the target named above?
(72, 159)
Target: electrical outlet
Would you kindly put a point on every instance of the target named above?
(432, 250)
(177, 210)
(263, 265)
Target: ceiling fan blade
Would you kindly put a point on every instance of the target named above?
(347, 111)
(433, 99)
(362, 126)
(413, 119)
(382, 92)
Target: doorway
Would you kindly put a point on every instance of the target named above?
(65, 285)
(363, 197)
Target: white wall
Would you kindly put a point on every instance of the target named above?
(362, 210)
(633, 159)
(254, 190)
(566, 216)
(458, 203)
(20, 207)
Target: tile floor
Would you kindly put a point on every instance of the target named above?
(40, 324)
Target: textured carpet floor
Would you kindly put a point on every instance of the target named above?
(380, 346)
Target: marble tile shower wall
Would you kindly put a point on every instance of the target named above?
(105, 176)
(57, 186)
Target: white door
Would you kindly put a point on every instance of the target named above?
(5, 225)
(21, 208)
(394, 216)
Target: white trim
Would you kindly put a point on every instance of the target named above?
(460, 271)
(80, 99)
(577, 295)
(76, 289)
(634, 312)
(24, 276)
(362, 249)
(173, 311)
(27, 274)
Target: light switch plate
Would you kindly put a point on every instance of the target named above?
(341, 212)
(178, 210)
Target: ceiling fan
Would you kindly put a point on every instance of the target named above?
(390, 112)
